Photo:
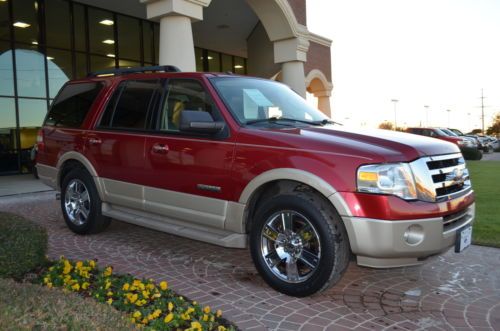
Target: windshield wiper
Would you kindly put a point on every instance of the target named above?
(328, 121)
(276, 119)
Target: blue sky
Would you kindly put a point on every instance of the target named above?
(423, 52)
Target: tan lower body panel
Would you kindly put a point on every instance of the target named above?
(177, 227)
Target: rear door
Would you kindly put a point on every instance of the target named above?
(188, 175)
(116, 146)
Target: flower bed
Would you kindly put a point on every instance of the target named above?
(150, 306)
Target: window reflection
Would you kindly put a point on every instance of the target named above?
(8, 146)
(58, 23)
(59, 69)
(101, 35)
(25, 20)
(6, 70)
(4, 18)
(128, 38)
(101, 63)
(147, 41)
(30, 69)
(79, 26)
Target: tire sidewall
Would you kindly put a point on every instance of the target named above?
(327, 236)
(95, 201)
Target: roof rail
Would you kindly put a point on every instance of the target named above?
(125, 71)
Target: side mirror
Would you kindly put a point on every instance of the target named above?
(199, 122)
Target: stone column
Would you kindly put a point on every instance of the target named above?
(324, 102)
(292, 53)
(176, 35)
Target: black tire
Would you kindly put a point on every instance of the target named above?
(95, 222)
(334, 243)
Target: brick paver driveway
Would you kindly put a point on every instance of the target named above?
(451, 292)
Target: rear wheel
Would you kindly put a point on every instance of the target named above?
(299, 244)
(81, 204)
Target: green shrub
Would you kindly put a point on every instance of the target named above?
(23, 245)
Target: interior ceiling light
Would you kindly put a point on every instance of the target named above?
(34, 42)
(107, 22)
(238, 66)
(21, 25)
(110, 55)
(108, 41)
(210, 58)
(50, 58)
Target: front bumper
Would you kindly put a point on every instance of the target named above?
(383, 244)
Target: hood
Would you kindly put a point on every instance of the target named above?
(407, 145)
(374, 144)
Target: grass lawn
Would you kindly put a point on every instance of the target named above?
(33, 307)
(485, 177)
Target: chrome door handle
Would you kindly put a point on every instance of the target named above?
(159, 149)
(94, 141)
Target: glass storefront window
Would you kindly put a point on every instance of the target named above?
(239, 65)
(198, 55)
(25, 21)
(129, 44)
(79, 24)
(30, 70)
(6, 70)
(32, 112)
(147, 41)
(81, 65)
(59, 68)
(7, 114)
(128, 64)
(101, 63)
(101, 32)
(213, 60)
(58, 25)
(156, 33)
(4, 17)
(227, 63)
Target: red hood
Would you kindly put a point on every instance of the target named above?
(376, 145)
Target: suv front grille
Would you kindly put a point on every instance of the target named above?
(450, 176)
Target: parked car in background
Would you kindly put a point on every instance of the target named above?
(246, 162)
(467, 146)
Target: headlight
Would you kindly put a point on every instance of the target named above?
(396, 179)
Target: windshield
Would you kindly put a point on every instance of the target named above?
(253, 100)
(449, 133)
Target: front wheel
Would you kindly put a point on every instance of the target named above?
(299, 244)
(81, 204)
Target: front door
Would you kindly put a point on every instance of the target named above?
(188, 175)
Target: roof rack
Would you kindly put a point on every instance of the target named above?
(125, 71)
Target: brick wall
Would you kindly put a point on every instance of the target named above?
(299, 9)
(319, 57)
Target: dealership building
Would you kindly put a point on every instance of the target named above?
(44, 43)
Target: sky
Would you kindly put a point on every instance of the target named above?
(439, 53)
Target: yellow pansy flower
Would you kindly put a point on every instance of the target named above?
(164, 285)
(108, 271)
(168, 318)
(137, 314)
(110, 301)
(206, 310)
(170, 306)
(219, 313)
(126, 286)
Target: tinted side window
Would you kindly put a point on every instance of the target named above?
(72, 104)
(129, 105)
(184, 94)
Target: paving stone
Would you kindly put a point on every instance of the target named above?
(449, 292)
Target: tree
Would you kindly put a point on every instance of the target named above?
(494, 129)
(386, 125)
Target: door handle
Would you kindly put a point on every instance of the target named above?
(159, 149)
(94, 141)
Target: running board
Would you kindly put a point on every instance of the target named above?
(180, 228)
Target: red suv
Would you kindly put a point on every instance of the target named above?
(238, 161)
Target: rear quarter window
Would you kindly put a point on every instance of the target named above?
(72, 104)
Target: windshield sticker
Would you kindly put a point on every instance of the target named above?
(253, 100)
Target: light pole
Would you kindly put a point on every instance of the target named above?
(395, 101)
(426, 115)
(448, 110)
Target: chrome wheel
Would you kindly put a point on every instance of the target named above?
(77, 202)
(290, 246)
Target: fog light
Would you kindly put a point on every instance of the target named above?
(414, 235)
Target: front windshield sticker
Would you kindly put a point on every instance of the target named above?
(253, 99)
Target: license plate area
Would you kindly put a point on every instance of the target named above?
(463, 238)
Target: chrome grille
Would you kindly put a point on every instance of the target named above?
(449, 174)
